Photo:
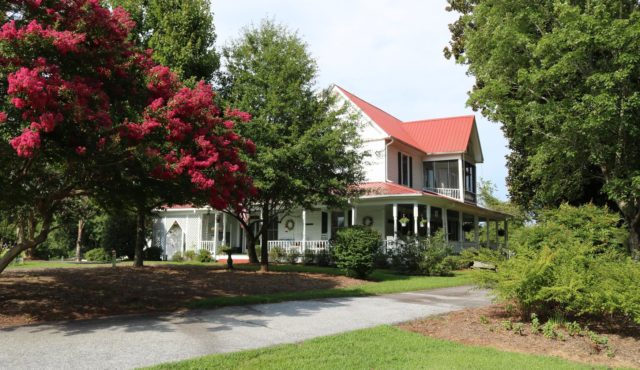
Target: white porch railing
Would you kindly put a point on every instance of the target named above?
(299, 245)
(209, 245)
(447, 192)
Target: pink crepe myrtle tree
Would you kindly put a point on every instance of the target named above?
(85, 112)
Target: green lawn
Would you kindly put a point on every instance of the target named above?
(383, 282)
(383, 347)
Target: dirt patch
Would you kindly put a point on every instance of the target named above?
(487, 326)
(70, 294)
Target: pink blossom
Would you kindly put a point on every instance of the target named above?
(3, 117)
(81, 150)
(26, 144)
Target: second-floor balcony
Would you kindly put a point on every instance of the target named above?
(447, 192)
(451, 178)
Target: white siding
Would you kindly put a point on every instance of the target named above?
(374, 163)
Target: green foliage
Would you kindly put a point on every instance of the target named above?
(177, 257)
(572, 261)
(180, 32)
(436, 260)
(324, 259)
(292, 256)
(573, 328)
(204, 256)
(507, 325)
(97, 255)
(309, 257)
(481, 254)
(277, 254)
(535, 323)
(354, 250)
(153, 254)
(190, 255)
(562, 79)
(308, 149)
(119, 233)
(549, 330)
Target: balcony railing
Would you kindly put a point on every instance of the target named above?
(447, 192)
(469, 197)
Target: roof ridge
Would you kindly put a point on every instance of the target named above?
(366, 101)
(440, 118)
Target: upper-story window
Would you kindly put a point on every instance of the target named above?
(405, 170)
(441, 175)
(469, 177)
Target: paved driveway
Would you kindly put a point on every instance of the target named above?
(134, 341)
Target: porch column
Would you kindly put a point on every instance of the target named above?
(415, 219)
(445, 226)
(497, 235)
(461, 237)
(476, 234)
(461, 176)
(215, 231)
(354, 216)
(395, 220)
(428, 220)
(487, 222)
(224, 229)
(304, 230)
(506, 234)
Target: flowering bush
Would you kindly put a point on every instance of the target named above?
(83, 106)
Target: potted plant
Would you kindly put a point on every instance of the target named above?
(423, 222)
(225, 249)
(404, 221)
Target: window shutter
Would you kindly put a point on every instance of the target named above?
(410, 172)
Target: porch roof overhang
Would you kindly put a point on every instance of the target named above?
(389, 193)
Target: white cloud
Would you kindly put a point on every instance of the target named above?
(387, 52)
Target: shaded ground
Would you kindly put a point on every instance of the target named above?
(68, 294)
(485, 326)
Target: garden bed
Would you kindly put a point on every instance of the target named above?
(496, 327)
(31, 296)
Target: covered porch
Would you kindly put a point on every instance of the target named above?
(395, 218)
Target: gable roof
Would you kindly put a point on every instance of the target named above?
(432, 136)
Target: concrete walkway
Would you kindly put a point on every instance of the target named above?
(134, 341)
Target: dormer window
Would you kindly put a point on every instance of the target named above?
(405, 170)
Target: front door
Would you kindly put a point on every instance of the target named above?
(174, 240)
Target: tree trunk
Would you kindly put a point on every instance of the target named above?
(79, 239)
(10, 255)
(251, 247)
(264, 251)
(140, 237)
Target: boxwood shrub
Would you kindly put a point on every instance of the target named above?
(354, 250)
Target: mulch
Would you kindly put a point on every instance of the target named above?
(34, 296)
(484, 327)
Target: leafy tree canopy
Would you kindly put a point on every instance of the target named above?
(563, 78)
(307, 146)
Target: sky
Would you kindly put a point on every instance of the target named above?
(389, 53)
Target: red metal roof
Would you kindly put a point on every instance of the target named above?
(440, 135)
(386, 188)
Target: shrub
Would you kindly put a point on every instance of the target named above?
(309, 257)
(277, 254)
(177, 257)
(204, 256)
(292, 256)
(190, 255)
(436, 259)
(405, 256)
(323, 258)
(97, 255)
(482, 254)
(354, 250)
(153, 254)
(571, 261)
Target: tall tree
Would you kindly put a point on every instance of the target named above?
(180, 32)
(80, 105)
(563, 78)
(307, 145)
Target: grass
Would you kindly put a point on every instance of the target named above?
(383, 282)
(383, 347)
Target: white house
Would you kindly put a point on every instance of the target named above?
(421, 171)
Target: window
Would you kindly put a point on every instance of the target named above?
(469, 177)
(405, 170)
(272, 230)
(325, 223)
(441, 174)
